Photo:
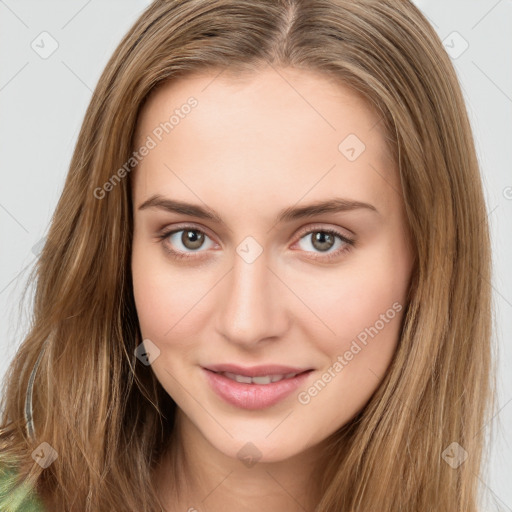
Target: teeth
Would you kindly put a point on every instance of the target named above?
(264, 379)
(239, 378)
(267, 379)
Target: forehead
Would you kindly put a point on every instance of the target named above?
(275, 131)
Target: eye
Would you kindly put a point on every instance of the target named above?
(323, 240)
(186, 240)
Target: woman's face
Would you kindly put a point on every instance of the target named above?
(232, 265)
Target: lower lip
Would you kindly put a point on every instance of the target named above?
(253, 396)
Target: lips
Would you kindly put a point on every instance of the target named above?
(259, 393)
(265, 379)
(256, 371)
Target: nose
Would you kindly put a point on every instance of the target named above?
(253, 304)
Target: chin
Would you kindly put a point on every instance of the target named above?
(257, 449)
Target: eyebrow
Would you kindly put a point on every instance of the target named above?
(289, 214)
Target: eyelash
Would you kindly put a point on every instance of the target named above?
(349, 243)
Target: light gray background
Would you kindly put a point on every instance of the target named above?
(43, 101)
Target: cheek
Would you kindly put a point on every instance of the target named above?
(365, 311)
(167, 298)
(348, 314)
(360, 305)
(150, 300)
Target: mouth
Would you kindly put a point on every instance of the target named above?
(257, 391)
(265, 370)
(262, 379)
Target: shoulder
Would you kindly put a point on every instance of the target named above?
(17, 498)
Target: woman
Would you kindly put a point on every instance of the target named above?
(318, 337)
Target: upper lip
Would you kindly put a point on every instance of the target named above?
(256, 371)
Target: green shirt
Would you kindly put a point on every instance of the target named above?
(22, 499)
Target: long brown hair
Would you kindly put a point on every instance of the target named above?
(106, 415)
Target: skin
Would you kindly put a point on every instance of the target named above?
(251, 147)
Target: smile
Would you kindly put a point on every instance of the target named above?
(254, 393)
(264, 379)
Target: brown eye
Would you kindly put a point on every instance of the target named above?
(319, 243)
(322, 240)
(186, 241)
(192, 238)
